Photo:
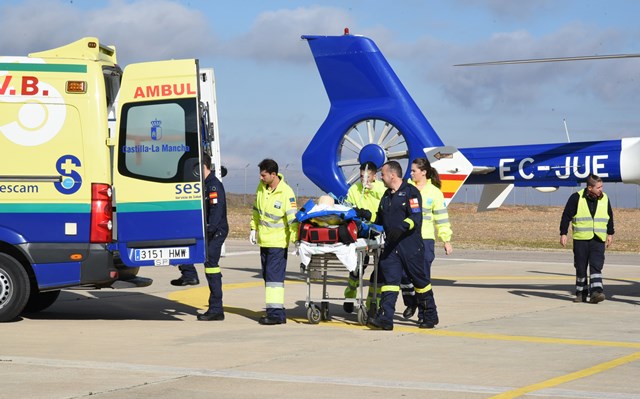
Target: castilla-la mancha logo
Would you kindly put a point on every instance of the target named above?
(156, 130)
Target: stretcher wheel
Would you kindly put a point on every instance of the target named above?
(372, 311)
(324, 310)
(313, 314)
(363, 317)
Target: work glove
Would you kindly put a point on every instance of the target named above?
(395, 233)
(252, 237)
(363, 214)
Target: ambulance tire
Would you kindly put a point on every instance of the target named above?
(39, 301)
(14, 288)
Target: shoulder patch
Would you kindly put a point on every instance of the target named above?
(213, 197)
(414, 204)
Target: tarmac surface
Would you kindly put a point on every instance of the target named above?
(508, 329)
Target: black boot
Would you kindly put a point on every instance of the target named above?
(428, 315)
(409, 311)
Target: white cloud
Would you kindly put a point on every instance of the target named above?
(516, 86)
(510, 8)
(274, 33)
(143, 30)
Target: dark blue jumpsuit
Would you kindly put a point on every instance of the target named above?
(400, 214)
(217, 230)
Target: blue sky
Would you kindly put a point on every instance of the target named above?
(271, 100)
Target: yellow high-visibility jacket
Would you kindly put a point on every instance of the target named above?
(274, 215)
(584, 225)
(434, 213)
(369, 199)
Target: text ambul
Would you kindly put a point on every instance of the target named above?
(167, 90)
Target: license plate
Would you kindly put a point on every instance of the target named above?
(161, 256)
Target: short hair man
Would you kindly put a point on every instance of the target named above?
(591, 217)
(273, 227)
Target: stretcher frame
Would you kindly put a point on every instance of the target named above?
(318, 270)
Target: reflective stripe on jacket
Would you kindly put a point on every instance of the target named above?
(274, 215)
(584, 225)
(435, 216)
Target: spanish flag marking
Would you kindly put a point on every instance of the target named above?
(213, 197)
(413, 202)
(451, 184)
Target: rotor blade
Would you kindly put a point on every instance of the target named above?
(398, 155)
(385, 132)
(557, 59)
(353, 142)
(371, 129)
(349, 162)
(354, 177)
(393, 140)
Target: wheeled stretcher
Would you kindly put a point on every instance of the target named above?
(324, 263)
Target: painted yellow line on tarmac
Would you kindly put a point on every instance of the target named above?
(198, 297)
(515, 277)
(484, 336)
(569, 377)
(533, 339)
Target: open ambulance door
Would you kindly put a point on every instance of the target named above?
(157, 180)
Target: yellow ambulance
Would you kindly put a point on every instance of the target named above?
(99, 170)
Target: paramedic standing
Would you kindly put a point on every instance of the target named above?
(589, 212)
(273, 227)
(400, 213)
(217, 229)
(364, 194)
(435, 218)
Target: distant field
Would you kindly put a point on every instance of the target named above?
(509, 227)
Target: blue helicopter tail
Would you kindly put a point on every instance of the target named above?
(364, 91)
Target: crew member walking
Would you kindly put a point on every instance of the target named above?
(435, 218)
(273, 227)
(591, 217)
(400, 213)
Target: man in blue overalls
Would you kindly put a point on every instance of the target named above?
(400, 213)
(217, 229)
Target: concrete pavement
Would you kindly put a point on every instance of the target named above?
(508, 328)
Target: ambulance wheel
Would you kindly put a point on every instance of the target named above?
(363, 317)
(39, 301)
(372, 140)
(324, 309)
(313, 314)
(14, 288)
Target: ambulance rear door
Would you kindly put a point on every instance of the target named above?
(158, 200)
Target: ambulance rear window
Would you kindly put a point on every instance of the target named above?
(159, 140)
(112, 77)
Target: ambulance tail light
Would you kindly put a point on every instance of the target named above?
(101, 214)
